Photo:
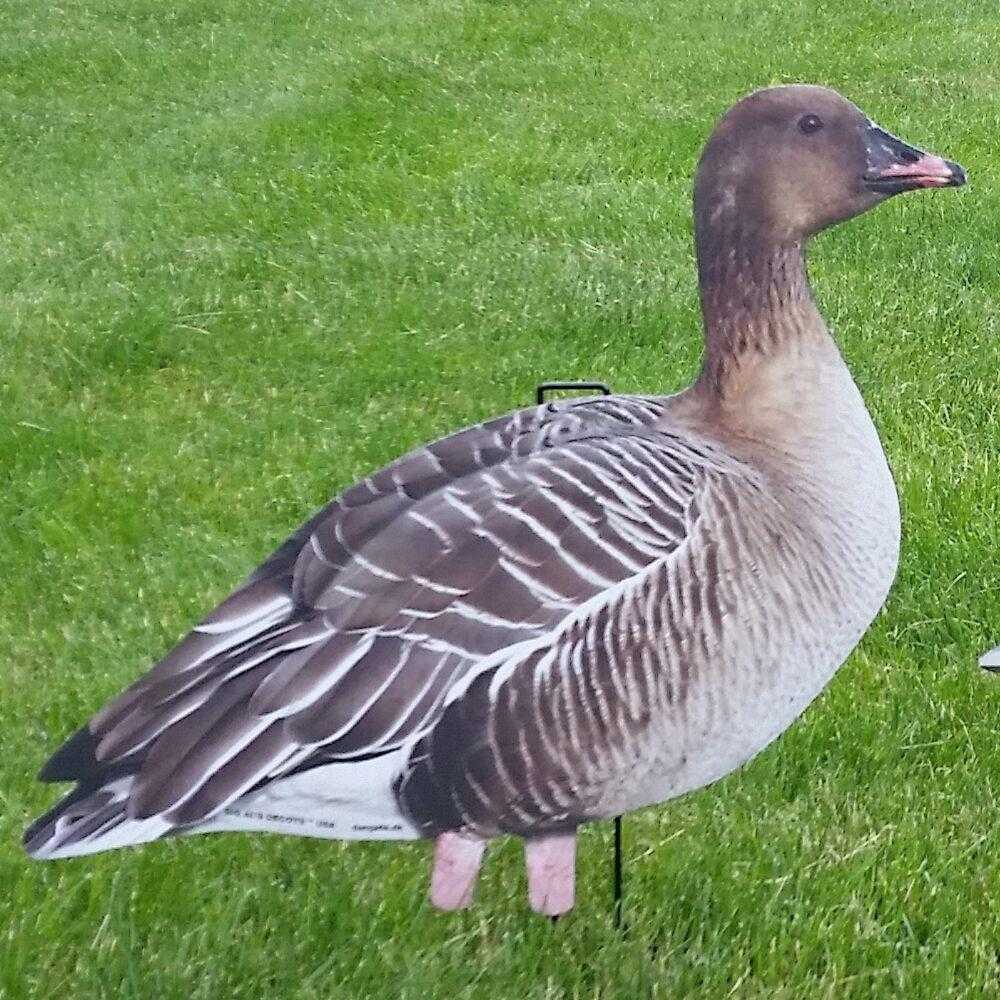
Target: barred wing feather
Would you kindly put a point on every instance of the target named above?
(351, 638)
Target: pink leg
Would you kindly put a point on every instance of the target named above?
(551, 863)
(457, 857)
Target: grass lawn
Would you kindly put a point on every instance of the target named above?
(250, 251)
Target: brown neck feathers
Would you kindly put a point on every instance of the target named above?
(755, 299)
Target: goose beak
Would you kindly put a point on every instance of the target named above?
(991, 660)
(894, 166)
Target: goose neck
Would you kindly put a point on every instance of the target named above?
(757, 305)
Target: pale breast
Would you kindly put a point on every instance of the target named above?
(804, 560)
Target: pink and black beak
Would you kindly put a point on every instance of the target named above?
(894, 166)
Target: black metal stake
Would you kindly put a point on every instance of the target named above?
(618, 874)
(605, 390)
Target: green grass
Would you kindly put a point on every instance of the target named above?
(250, 251)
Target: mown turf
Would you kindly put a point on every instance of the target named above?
(249, 251)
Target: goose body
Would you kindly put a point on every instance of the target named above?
(572, 611)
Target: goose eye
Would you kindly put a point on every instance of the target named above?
(810, 123)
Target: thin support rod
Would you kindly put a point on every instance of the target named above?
(605, 390)
(618, 874)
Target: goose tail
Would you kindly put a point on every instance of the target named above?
(89, 820)
(346, 800)
(94, 815)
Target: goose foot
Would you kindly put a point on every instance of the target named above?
(457, 857)
(551, 864)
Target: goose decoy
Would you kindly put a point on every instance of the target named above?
(991, 660)
(561, 614)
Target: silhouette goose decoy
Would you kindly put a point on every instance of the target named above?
(561, 614)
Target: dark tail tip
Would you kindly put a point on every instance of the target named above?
(75, 760)
(74, 820)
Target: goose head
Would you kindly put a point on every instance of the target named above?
(787, 162)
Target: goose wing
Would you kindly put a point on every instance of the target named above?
(533, 738)
(349, 639)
